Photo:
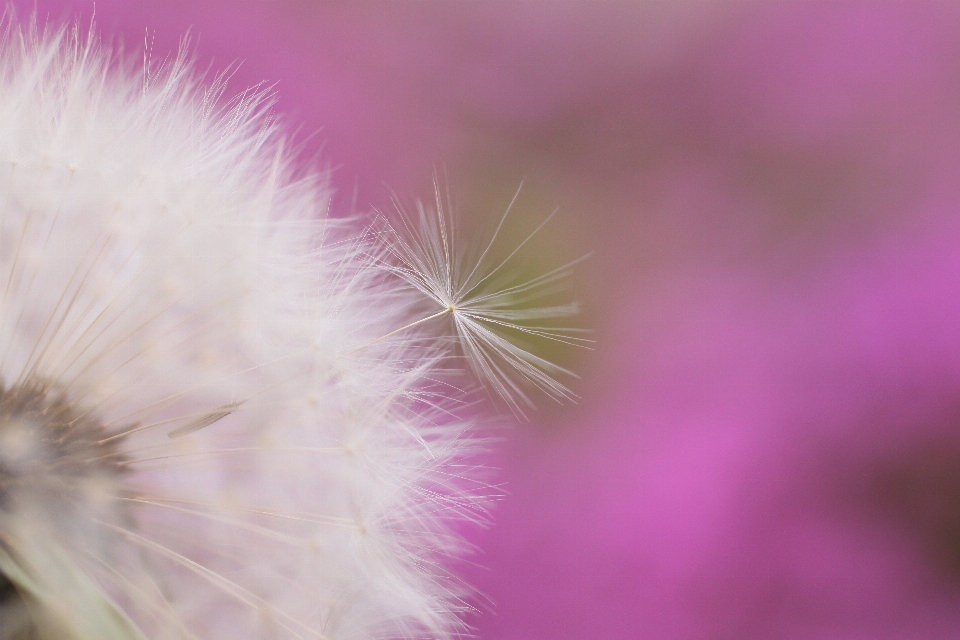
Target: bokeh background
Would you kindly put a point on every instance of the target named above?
(768, 442)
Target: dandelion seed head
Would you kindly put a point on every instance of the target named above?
(215, 421)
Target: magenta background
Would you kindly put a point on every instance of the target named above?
(769, 441)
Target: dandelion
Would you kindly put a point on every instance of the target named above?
(218, 418)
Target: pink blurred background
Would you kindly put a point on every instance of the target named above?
(768, 444)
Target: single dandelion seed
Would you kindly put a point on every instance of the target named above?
(489, 309)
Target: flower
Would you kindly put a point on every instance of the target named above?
(203, 433)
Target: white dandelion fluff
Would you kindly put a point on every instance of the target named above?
(485, 303)
(203, 432)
